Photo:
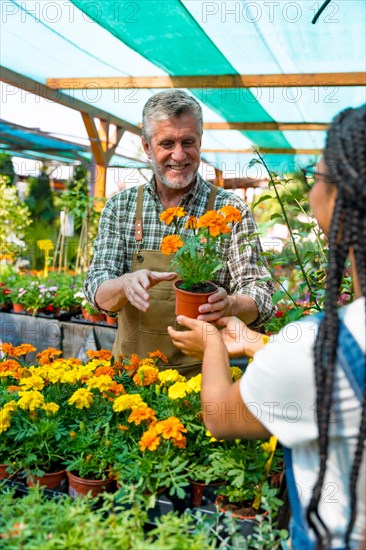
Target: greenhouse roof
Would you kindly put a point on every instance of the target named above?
(32, 143)
(215, 47)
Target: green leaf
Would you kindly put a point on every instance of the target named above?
(277, 296)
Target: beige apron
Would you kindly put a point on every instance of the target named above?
(140, 332)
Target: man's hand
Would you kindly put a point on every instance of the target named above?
(136, 284)
(194, 341)
(217, 306)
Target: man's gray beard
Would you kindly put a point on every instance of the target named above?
(167, 182)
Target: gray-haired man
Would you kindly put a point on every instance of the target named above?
(135, 281)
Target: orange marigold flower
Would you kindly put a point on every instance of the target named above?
(9, 367)
(114, 389)
(149, 440)
(133, 363)
(159, 354)
(73, 361)
(171, 244)
(13, 389)
(47, 355)
(8, 349)
(181, 443)
(146, 376)
(103, 354)
(191, 223)
(23, 349)
(104, 370)
(231, 213)
(171, 428)
(215, 222)
(122, 428)
(170, 213)
(143, 413)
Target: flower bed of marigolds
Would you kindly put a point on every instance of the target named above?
(139, 431)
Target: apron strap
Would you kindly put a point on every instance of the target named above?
(140, 196)
(138, 222)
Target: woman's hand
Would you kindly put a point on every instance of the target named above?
(194, 341)
(238, 338)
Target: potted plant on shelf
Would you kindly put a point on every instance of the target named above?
(197, 256)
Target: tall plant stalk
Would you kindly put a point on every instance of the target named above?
(296, 250)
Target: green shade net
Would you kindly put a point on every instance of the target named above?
(167, 35)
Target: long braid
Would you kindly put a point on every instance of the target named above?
(345, 158)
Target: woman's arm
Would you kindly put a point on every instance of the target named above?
(225, 414)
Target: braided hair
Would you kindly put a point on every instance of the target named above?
(345, 159)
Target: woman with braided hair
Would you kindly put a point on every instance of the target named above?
(307, 386)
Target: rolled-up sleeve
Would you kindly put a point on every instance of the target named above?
(108, 258)
(249, 273)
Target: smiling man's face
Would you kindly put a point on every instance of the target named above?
(174, 151)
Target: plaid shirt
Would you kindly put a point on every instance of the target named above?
(245, 271)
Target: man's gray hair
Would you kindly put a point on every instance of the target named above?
(170, 104)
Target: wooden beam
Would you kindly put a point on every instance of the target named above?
(266, 150)
(257, 126)
(212, 81)
(103, 147)
(33, 87)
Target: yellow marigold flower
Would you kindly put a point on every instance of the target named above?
(178, 390)
(72, 434)
(231, 213)
(10, 407)
(140, 414)
(51, 407)
(34, 382)
(171, 244)
(191, 223)
(236, 373)
(70, 377)
(170, 375)
(159, 355)
(103, 354)
(4, 422)
(149, 440)
(30, 400)
(146, 375)
(212, 439)
(81, 398)
(54, 375)
(267, 448)
(215, 222)
(194, 384)
(128, 401)
(102, 383)
(170, 213)
(171, 428)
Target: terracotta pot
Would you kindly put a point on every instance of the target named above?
(50, 480)
(18, 308)
(96, 318)
(224, 506)
(81, 487)
(187, 303)
(113, 321)
(85, 314)
(199, 490)
(3, 473)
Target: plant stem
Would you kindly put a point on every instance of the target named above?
(312, 295)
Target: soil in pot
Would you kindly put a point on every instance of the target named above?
(242, 510)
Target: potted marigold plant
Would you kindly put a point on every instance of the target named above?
(197, 255)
